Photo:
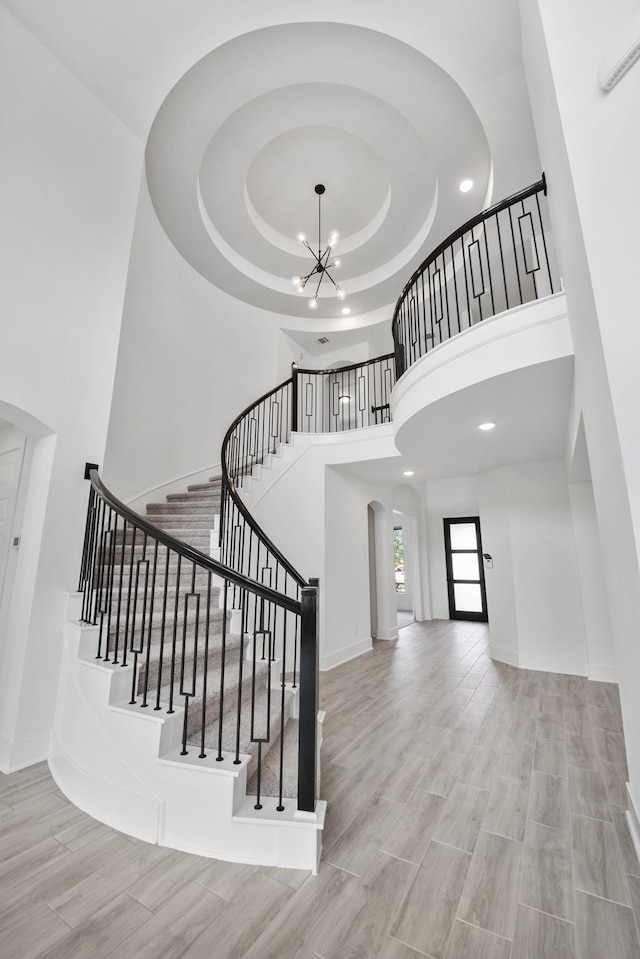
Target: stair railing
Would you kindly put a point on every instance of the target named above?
(254, 436)
(162, 607)
(497, 260)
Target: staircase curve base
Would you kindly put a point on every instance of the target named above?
(121, 764)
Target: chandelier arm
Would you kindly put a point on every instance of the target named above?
(318, 286)
(332, 280)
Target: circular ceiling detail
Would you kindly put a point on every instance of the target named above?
(232, 166)
(279, 184)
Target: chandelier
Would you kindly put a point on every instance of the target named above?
(322, 266)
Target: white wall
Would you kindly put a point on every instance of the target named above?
(316, 514)
(597, 620)
(495, 524)
(457, 496)
(70, 177)
(527, 527)
(190, 359)
(589, 146)
(347, 616)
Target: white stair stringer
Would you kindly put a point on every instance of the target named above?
(122, 765)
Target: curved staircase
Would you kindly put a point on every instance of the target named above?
(176, 720)
(187, 710)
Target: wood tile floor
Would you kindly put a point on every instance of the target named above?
(476, 812)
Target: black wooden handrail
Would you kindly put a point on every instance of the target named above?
(347, 369)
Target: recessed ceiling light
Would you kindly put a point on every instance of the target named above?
(466, 185)
(487, 426)
(408, 473)
(345, 311)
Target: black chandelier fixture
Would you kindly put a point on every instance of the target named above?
(322, 266)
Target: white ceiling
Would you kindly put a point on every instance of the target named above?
(530, 408)
(234, 155)
(244, 107)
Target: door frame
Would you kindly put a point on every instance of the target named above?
(479, 617)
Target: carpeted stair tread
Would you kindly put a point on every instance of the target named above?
(184, 521)
(190, 506)
(212, 486)
(196, 496)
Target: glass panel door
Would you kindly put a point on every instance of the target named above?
(465, 572)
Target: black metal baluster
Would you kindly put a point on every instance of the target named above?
(544, 241)
(515, 254)
(149, 635)
(223, 663)
(126, 624)
(131, 640)
(110, 574)
(283, 688)
(174, 639)
(504, 272)
(239, 709)
(162, 630)
(205, 669)
(486, 250)
(188, 694)
(466, 278)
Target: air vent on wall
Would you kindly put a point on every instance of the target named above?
(622, 54)
(322, 339)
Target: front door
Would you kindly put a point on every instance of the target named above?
(465, 572)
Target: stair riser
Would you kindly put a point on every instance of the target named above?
(215, 487)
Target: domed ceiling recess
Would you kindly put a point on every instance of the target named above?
(240, 142)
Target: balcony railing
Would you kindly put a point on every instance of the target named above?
(348, 398)
(499, 259)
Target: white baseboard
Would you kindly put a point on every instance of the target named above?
(15, 755)
(548, 664)
(504, 655)
(553, 664)
(392, 632)
(345, 654)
